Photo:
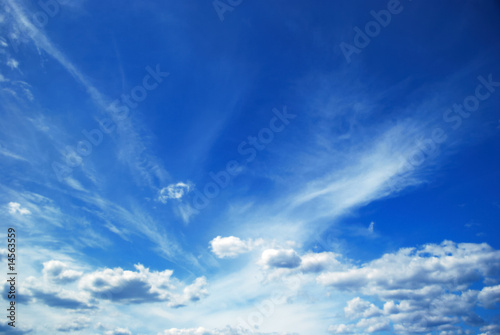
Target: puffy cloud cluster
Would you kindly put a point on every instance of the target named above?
(192, 293)
(59, 272)
(413, 290)
(230, 247)
(318, 262)
(290, 259)
(53, 295)
(62, 287)
(420, 290)
(129, 286)
(275, 258)
(280, 258)
(411, 272)
(489, 296)
(141, 286)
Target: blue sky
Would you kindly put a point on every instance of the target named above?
(238, 167)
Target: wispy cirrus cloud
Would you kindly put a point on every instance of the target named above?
(131, 144)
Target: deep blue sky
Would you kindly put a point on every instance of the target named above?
(359, 190)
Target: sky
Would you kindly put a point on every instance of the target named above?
(236, 167)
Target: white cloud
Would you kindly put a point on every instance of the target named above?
(141, 286)
(490, 296)
(280, 258)
(232, 246)
(174, 191)
(410, 269)
(371, 227)
(318, 262)
(359, 308)
(185, 211)
(119, 331)
(194, 292)
(24, 88)
(7, 153)
(77, 324)
(341, 329)
(422, 289)
(75, 184)
(372, 325)
(190, 331)
(59, 272)
(490, 330)
(54, 296)
(12, 63)
(15, 208)
(131, 149)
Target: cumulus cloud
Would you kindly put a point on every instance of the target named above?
(141, 286)
(61, 300)
(192, 293)
(395, 275)
(340, 329)
(359, 308)
(280, 258)
(15, 208)
(129, 286)
(174, 191)
(229, 247)
(490, 296)
(35, 289)
(318, 262)
(115, 285)
(419, 289)
(59, 272)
